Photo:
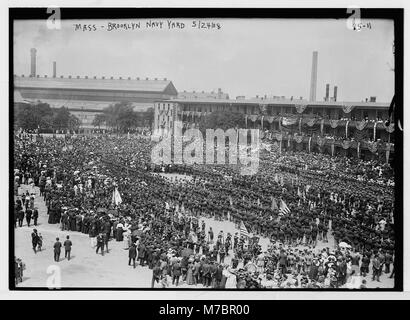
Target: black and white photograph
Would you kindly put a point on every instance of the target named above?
(206, 150)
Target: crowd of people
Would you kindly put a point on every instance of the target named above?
(160, 221)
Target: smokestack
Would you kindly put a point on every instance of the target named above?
(335, 93)
(313, 79)
(33, 52)
(54, 69)
(327, 92)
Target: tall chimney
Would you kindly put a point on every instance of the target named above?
(313, 79)
(54, 69)
(33, 52)
(327, 92)
(335, 93)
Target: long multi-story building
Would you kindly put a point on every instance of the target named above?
(327, 126)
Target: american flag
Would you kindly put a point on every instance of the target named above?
(283, 209)
(243, 230)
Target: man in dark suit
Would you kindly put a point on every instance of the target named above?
(28, 216)
(35, 215)
(206, 273)
(176, 272)
(67, 248)
(100, 244)
(57, 250)
(132, 254)
(34, 240)
(141, 253)
(218, 276)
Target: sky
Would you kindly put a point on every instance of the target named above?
(244, 57)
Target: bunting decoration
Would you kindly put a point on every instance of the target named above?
(321, 141)
(311, 122)
(253, 117)
(298, 139)
(278, 136)
(334, 123)
(347, 108)
(346, 144)
(300, 107)
(372, 146)
(360, 125)
(270, 119)
(390, 128)
(283, 209)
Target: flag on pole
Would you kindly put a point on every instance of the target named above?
(243, 230)
(284, 209)
(116, 197)
(274, 204)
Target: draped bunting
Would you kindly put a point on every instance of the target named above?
(360, 125)
(253, 117)
(321, 141)
(389, 128)
(372, 146)
(311, 122)
(361, 135)
(300, 107)
(298, 139)
(346, 144)
(347, 108)
(270, 119)
(278, 136)
(334, 123)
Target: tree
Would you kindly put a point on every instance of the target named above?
(222, 120)
(99, 120)
(61, 119)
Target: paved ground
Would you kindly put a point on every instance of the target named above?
(88, 269)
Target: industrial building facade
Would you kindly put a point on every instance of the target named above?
(87, 96)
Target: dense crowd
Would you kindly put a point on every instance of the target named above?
(159, 220)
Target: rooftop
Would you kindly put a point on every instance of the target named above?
(94, 83)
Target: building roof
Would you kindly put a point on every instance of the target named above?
(282, 102)
(140, 85)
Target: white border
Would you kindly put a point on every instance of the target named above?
(183, 295)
